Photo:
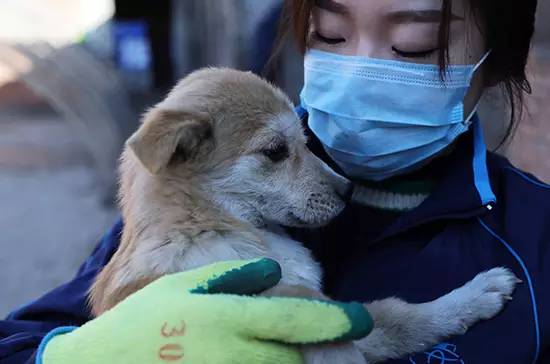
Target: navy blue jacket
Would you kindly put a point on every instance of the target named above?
(483, 213)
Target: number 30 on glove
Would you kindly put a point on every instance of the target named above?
(207, 316)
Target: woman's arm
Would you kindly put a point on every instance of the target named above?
(23, 330)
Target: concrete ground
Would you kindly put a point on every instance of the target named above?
(51, 212)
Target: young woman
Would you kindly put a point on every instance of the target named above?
(391, 90)
(390, 98)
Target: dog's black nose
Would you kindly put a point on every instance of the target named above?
(345, 192)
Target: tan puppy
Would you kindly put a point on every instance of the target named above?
(211, 172)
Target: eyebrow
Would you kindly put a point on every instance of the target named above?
(333, 6)
(419, 16)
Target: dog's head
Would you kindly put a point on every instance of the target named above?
(236, 139)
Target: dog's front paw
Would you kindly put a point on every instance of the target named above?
(480, 299)
(490, 291)
(332, 353)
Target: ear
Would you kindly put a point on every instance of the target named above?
(165, 131)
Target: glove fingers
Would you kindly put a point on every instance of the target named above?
(304, 321)
(233, 277)
(270, 353)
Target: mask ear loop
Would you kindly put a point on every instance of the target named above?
(467, 46)
(468, 120)
(480, 63)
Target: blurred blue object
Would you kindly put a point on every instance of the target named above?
(133, 54)
(133, 51)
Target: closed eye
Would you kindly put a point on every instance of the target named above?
(331, 41)
(416, 54)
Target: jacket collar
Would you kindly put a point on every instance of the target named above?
(463, 191)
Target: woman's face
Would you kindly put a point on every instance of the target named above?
(403, 30)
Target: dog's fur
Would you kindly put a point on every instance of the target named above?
(208, 174)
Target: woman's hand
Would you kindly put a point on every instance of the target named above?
(202, 316)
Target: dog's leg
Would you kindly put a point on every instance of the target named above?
(345, 353)
(402, 328)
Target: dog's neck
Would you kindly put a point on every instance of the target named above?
(239, 210)
(157, 210)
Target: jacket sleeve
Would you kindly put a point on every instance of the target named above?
(22, 331)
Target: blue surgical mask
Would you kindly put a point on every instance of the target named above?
(380, 118)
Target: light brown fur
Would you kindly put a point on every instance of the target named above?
(211, 172)
(176, 207)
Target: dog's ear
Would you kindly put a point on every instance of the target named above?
(163, 132)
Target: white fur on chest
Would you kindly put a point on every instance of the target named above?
(297, 264)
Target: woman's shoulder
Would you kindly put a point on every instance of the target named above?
(522, 209)
(520, 222)
(516, 189)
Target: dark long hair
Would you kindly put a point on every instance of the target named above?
(508, 27)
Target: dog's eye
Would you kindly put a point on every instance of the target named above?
(277, 153)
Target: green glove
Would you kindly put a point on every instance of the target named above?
(190, 318)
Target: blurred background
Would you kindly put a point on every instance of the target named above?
(75, 76)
